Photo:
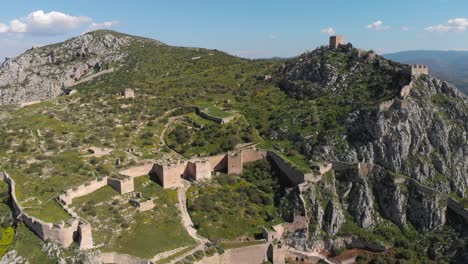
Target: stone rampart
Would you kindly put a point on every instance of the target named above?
(418, 70)
(294, 175)
(82, 190)
(457, 208)
(85, 239)
(62, 234)
(199, 169)
(386, 105)
(125, 185)
(234, 160)
(405, 91)
(169, 174)
(218, 162)
(340, 166)
(251, 155)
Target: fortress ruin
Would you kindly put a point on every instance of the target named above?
(336, 41)
(418, 70)
(170, 175)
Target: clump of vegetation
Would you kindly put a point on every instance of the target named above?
(232, 206)
(210, 138)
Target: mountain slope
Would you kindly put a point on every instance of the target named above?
(341, 106)
(451, 66)
(44, 73)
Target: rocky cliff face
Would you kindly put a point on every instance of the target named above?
(43, 73)
(421, 137)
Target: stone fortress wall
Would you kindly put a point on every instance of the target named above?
(120, 185)
(416, 71)
(170, 175)
(336, 41)
(76, 228)
(61, 233)
(216, 119)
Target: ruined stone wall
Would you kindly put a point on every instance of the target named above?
(202, 170)
(405, 91)
(218, 162)
(251, 154)
(169, 175)
(85, 236)
(336, 41)
(325, 168)
(206, 116)
(418, 70)
(82, 190)
(46, 231)
(234, 161)
(340, 166)
(125, 185)
(294, 175)
(458, 209)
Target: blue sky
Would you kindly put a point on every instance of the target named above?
(246, 28)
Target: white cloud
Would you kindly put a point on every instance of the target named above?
(52, 23)
(329, 31)
(404, 28)
(17, 26)
(453, 25)
(3, 28)
(272, 36)
(378, 25)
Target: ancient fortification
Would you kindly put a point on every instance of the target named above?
(220, 120)
(170, 175)
(336, 41)
(416, 71)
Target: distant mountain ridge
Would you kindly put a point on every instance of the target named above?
(451, 66)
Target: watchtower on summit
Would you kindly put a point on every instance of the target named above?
(336, 41)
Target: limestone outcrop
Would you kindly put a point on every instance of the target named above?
(44, 73)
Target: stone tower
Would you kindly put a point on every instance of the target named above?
(336, 41)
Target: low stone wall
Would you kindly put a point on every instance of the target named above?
(143, 206)
(118, 258)
(340, 166)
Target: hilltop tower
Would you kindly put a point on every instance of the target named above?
(336, 41)
(418, 70)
